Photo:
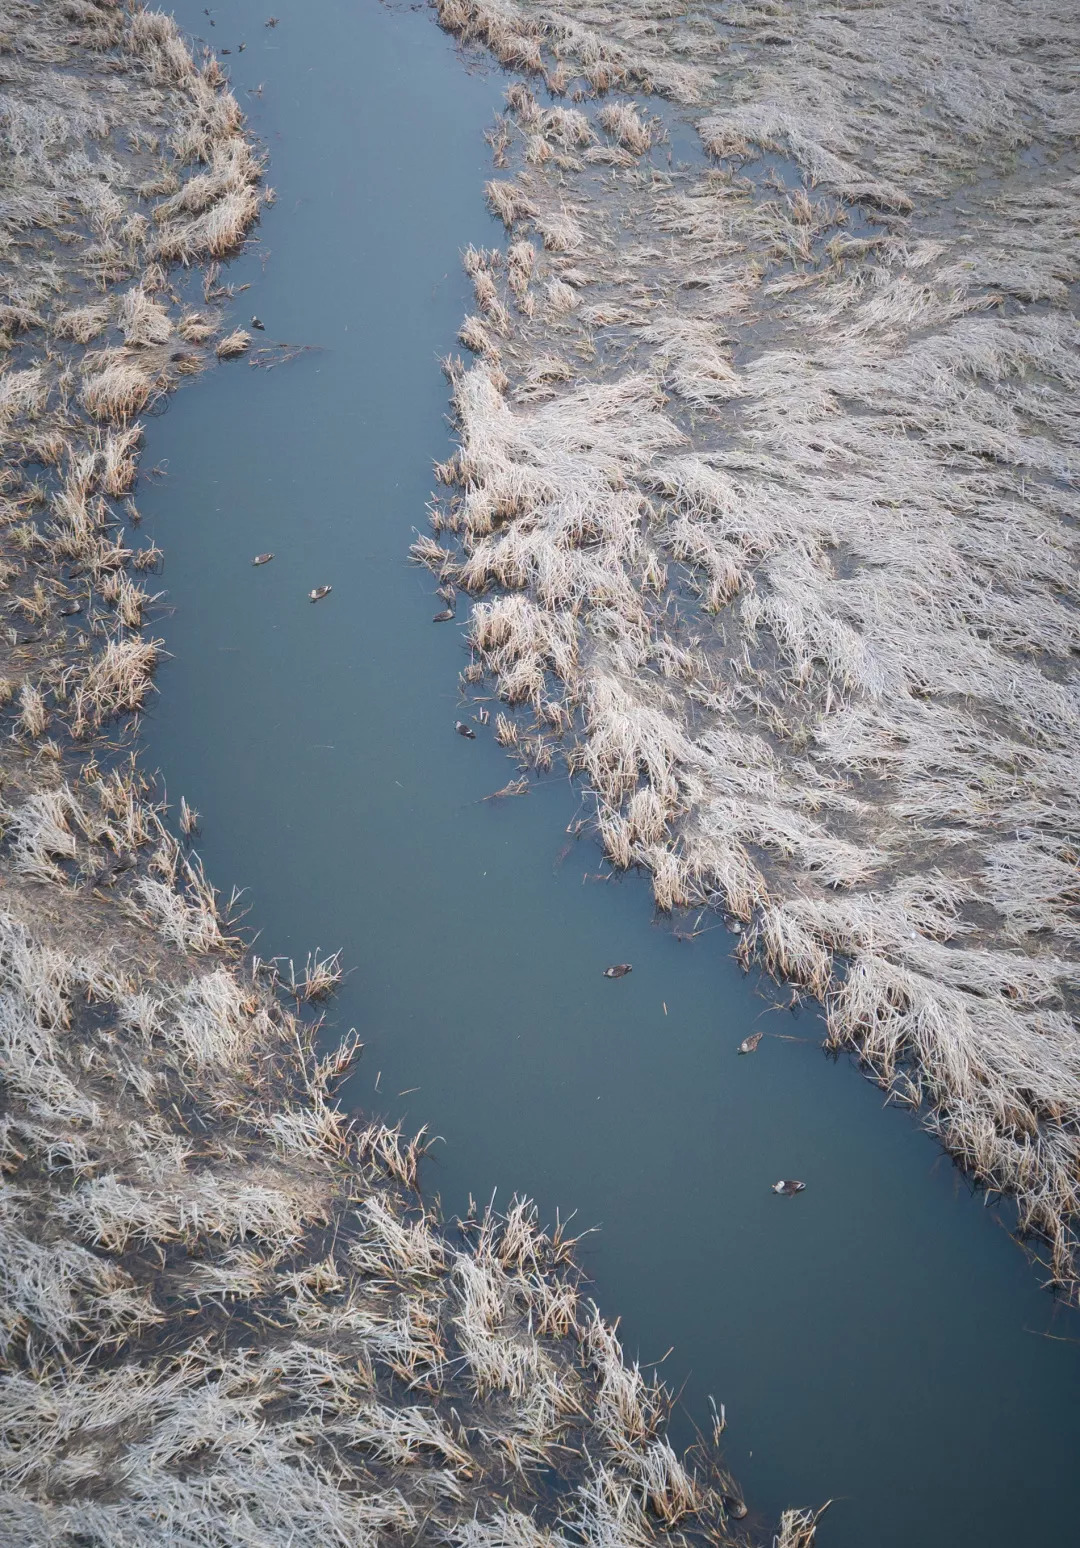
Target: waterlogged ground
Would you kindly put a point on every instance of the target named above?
(879, 1339)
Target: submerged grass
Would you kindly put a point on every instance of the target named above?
(767, 480)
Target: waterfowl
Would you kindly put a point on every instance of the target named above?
(111, 872)
(69, 609)
(736, 1509)
(463, 730)
(262, 558)
(748, 1044)
(620, 970)
(788, 1187)
(319, 592)
(445, 616)
(258, 323)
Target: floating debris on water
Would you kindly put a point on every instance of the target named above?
(236, 343)
(516, 787)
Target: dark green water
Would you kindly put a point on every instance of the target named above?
(879, 1339)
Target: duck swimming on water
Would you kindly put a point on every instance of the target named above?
(788, 1187)
(319, 592)
(620, 970)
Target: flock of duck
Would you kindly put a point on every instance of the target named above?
(315, 595)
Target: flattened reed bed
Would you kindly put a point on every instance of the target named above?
(789, 536)
(226, 1313)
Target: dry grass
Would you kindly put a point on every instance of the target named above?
(129, 600)
(322, 974)
(238, 342)
(624, 123)
(142, 319)
(798, 1528)
(119, 459)
(83, 323)
(123, 386)
(117, 680)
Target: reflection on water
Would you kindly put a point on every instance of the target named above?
(879, 1338)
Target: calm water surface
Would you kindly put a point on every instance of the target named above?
(880, 1339)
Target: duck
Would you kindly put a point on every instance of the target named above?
(748, 1044)
(319, 592)
(257, 322)
(463, 730)
(736, 1509)
(788, 1187)
(445, 616)
(620, 970)
(111, 872)
(262, 558)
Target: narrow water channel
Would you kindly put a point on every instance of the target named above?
(879, 1339)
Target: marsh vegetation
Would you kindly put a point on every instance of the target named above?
(226, 1315)
(765, 493)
